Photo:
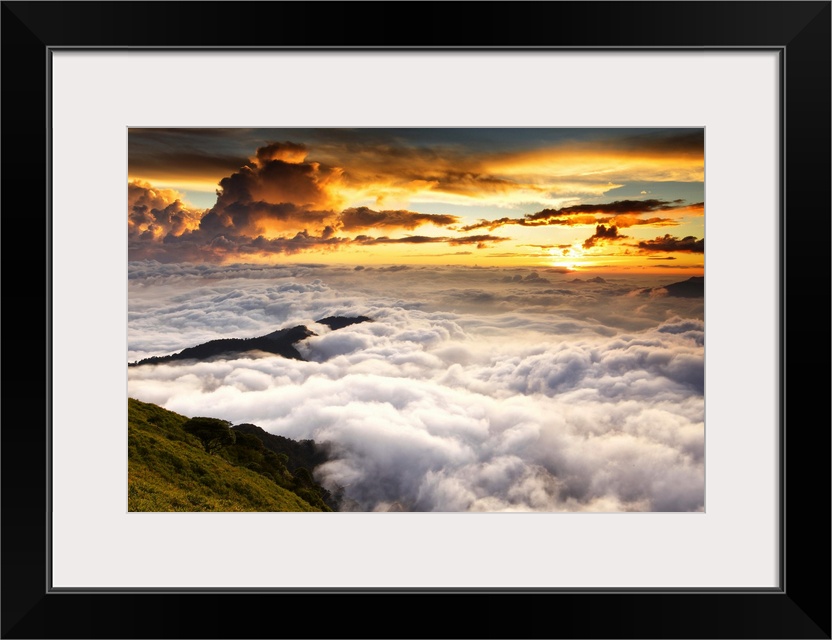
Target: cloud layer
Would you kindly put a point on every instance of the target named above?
(347, 195)
(474, 389)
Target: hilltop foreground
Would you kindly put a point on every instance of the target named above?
(171, 469)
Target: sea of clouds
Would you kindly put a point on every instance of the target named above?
(474, 389)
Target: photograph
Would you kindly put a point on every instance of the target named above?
(416, 319)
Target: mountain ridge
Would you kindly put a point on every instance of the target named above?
(281, 342)
(693, 287)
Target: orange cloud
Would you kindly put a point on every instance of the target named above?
(621, 213)
(364, 218)
(154, 213)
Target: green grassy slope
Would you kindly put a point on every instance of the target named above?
(168, 470)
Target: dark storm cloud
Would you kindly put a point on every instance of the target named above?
(687, 244)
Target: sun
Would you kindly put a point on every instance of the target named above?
(565, 257)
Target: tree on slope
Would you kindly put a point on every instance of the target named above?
(213, 433)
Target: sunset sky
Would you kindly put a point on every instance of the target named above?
(611, 200)
(564, 373)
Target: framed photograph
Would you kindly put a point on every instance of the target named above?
(451, 285)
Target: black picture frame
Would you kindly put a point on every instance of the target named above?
(799, 608)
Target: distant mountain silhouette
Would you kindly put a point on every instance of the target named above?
(691, 288)
(281, 342)
(596, 280)
(339, 322)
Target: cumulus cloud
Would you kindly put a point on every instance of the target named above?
(278, 173)
(276, 191)
(277, 202)
(472, 392)
(153, 214)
